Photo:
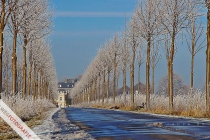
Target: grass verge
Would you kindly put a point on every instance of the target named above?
(7, 133)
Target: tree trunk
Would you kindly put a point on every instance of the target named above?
(40, 85)
(132, 73)
(2, 25)
(104, 84)
(89, 94)
(148, 75)
(99, 87)
(24, 68)
(170, 84)
(124, 83)
(83, 96)
(14, 64)
(153, 78)
(108, 84)
(170, 72)
(1, 54)
(114, 78)
(46, 90)
(192, 72)
(114, 87)
(117, 85)
(29, 79)
(35, 83)
(132, 85)
(91, 91)
(139, 81)
(7, 84)
(192, 54)
(208, 65)
(95, 85)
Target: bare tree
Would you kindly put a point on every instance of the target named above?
(37, 17)
(177, 81)
(108, 53)
(16, 18)
(147, 16)
(6, 7)
(115, 57)
(173, 17)
(155, 57)
(7, 67)
(19, 74)
(141, 60)
(124, 56)
(208, 58)
(133, 41)
(194, 39)
(104, 61)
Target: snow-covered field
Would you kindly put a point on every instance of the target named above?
(58, 127)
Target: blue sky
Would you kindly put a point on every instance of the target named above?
(81, 26)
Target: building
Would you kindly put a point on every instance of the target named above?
(64, 89)
(62, 96)
(66, 85)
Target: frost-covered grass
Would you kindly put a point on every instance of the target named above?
(190, 104)
(29, 110)
(28, 107)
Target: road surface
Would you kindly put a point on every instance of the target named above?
(119, 125)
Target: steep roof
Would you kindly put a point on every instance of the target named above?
(65, 85)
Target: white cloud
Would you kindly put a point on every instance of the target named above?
(82, 33)
(91, 14)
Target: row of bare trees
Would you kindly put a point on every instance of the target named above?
(155, 24)
(26, 63)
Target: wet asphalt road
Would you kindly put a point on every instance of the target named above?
(119, 125)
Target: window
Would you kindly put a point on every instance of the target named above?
(60, 86)
(60, 98)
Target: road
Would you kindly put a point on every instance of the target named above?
(119, 125)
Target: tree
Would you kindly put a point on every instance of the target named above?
(7, 6)
(42, 76)
(147, 14)
(115, 59)
(174, 15)
(98, 66)
(133, 41)
(37, 17)
(178, 83)
(208, 58)
(104, 68)
(194, 39)
(124, 56)
(19, 73)
(108, 53)
(141, 59)
(7, 68)
(16, 18)
(155, 57)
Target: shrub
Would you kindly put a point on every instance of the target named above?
(27, 107)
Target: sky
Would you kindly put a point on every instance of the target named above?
(82, 26)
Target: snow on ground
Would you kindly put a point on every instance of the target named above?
(58, 127)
